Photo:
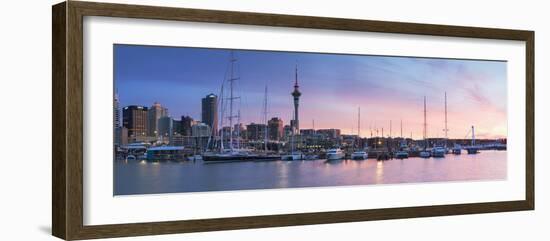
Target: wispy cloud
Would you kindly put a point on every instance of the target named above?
(332, 86)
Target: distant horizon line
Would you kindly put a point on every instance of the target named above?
(316, 129)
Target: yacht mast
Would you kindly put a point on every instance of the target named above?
(222, 112)
(401, 126)
(473, 137)
(238, 135)
(265, 118)
(359, 122)
(446, 130)
(425, 125)
(231, 98)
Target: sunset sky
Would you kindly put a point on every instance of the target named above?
(333, 88)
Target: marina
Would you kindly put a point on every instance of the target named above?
(230, 148)
(142, 177)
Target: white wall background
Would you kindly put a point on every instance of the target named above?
(25, 120)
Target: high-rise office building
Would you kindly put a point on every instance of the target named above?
(209, 114)
(186, 123)
(134, 118)
(255, 131)
(121, 136)
(155, 112)
(165, 127)
(275, 128)
(307, 132)
(176, 126)
(201, 130)
(116, 111)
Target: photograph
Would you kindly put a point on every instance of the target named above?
(190, 119)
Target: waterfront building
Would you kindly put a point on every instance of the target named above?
(330, 133)
(121, 136)
(255, 131)
(350, 140)
(186, 123)
(287, 131)
(225, 132)
(209, 113)
(176, 126)
(318, 141)
(275, 128)
(239, 130)
(180, 140)
(134, 118)
(307, 132)
(165, 127)
(155, 112)
(116, 111)
(200, 130)
(295, 123)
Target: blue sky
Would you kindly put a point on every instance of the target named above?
(333, 87)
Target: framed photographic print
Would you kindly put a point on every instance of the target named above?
(171, 120)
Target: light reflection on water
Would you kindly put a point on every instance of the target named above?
(146, 178)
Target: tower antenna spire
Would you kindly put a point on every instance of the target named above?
(296, 97)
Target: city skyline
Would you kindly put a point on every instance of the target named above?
(333, 87)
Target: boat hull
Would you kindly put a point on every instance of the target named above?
(237, 158)
(401, 155)
(359, 156)
(292, 157)
(424, 154)
(383, 156)
(335, 157)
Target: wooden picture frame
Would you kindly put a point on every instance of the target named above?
(67, 137)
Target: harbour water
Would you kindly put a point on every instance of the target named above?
(140, 177)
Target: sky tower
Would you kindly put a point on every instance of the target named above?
(296, 94)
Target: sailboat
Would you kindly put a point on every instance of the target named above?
(424, 153)
(457, 149)
(233, 153)
(265, 155)
(440, 150)
(472, 148)
(403, 152)
(359, 154)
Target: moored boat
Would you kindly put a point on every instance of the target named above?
(359, 155)
(335, 154)
(401, 154)
(457, 150)
(438, 151)
(165, 153)
(403, 151)
(383, 156)
(473, 148)
(424, 154)
(237, 155)
(293, 156)
(194, 158)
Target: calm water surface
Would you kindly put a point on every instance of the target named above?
(169, 177)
